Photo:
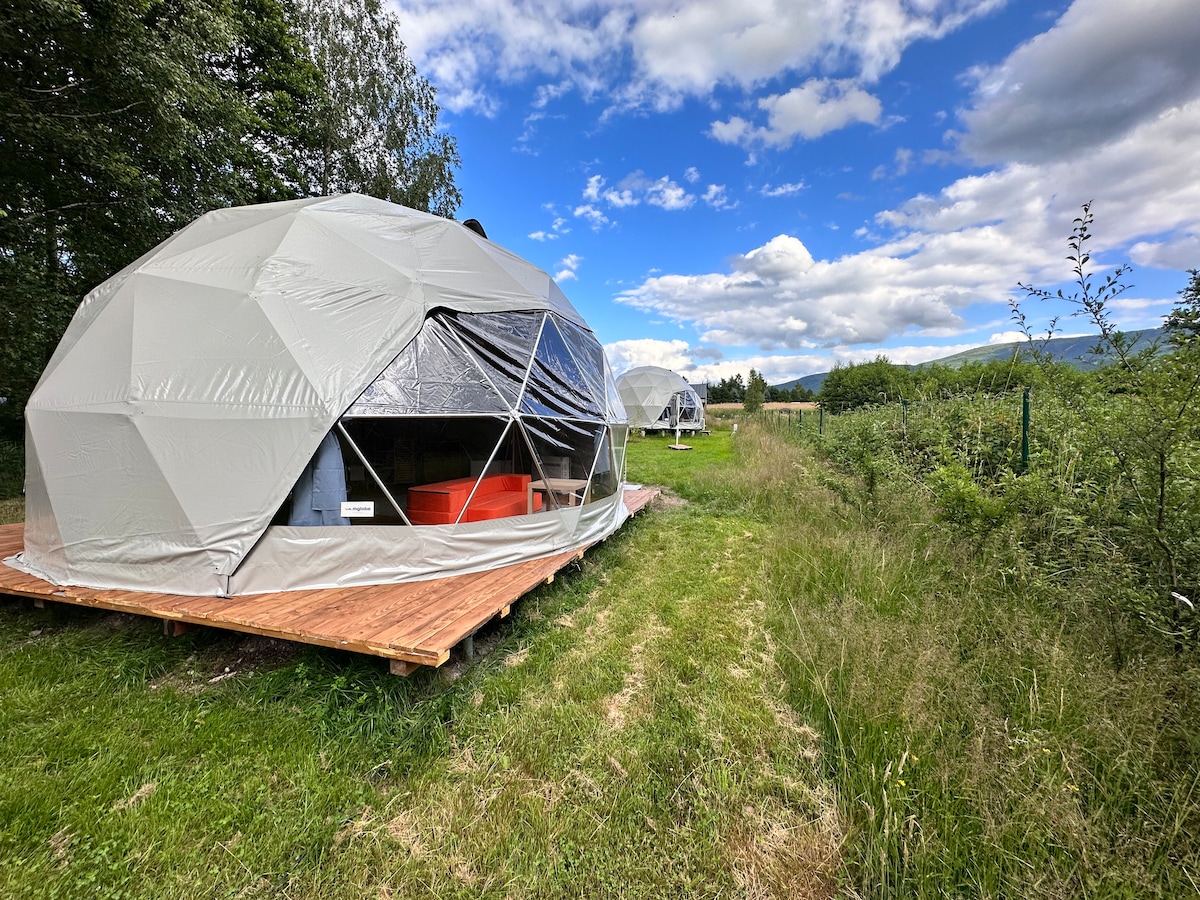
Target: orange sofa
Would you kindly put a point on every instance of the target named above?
(498, 496)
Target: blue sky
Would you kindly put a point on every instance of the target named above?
(785, 184)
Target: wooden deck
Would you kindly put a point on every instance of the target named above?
(411, 624)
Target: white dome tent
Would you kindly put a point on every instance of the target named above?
(436, 403)
(657, 399)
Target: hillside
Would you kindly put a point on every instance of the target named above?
(1076, 351)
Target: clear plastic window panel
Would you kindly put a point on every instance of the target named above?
(689, 409)
(556, 385)
(502, 344)
(567, 451)
(620, 438)
(433, 375)
(589, 356)
(616, 406)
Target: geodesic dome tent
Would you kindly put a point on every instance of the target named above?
(657, 399)
(317, 393)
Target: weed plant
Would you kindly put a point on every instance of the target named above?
(980, 741)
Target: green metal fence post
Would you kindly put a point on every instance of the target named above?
(1025, 430)
(821, 420)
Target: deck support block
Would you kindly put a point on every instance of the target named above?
(402, 667)
(468, 645)
(39, 603)
(174, 627)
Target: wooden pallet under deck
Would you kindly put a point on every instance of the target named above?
(411, 624)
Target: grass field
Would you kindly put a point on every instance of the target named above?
(756, 689)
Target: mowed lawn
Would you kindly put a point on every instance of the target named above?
(624, 733)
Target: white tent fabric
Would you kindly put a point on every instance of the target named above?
(658, 399)
(191, 389)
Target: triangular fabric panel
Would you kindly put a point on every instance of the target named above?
(502, 344)
(432, 375)
(556, 385)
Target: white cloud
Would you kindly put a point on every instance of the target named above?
(782, 190)
(592, 190)
(569, 267)
(1180, 252)
(716, 197)
(629, 354)
(691, 175)
(595, 219)
(817, 107)
(669, 195)
(1005, 337)
(636, 188)
(543, 236)
(1106, 67)
(654, 54)
(967, 246)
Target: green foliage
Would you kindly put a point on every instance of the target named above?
(1141, 431)
(377, 118)
(853, 385)
(727, 390)
(991, 378)
(756, 392)
(1183, 324)
(797, 393)
(124, 121)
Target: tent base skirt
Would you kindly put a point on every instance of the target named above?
(412, 624)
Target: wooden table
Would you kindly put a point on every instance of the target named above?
(568, 486)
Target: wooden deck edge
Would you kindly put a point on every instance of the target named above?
(433, 649)
(416, 656)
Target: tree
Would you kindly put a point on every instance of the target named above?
(377, 117)
(123, 120)
(756, 389)
(1183, 324)
(1142, 420)
(119, 122)
(854, 385)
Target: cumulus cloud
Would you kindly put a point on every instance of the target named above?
(817, 107)
(716, 197)
(706, 363)
(691, 175)
(629, 354)
(654, 55)
(595, 218)
(636, 188)
(1179, 252)
(1106, 67)
(543, 236)
(669, 195)
(569, 267)
(940, 254)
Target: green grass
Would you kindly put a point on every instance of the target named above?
(756, 689)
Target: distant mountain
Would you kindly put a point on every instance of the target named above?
(1075, 351)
